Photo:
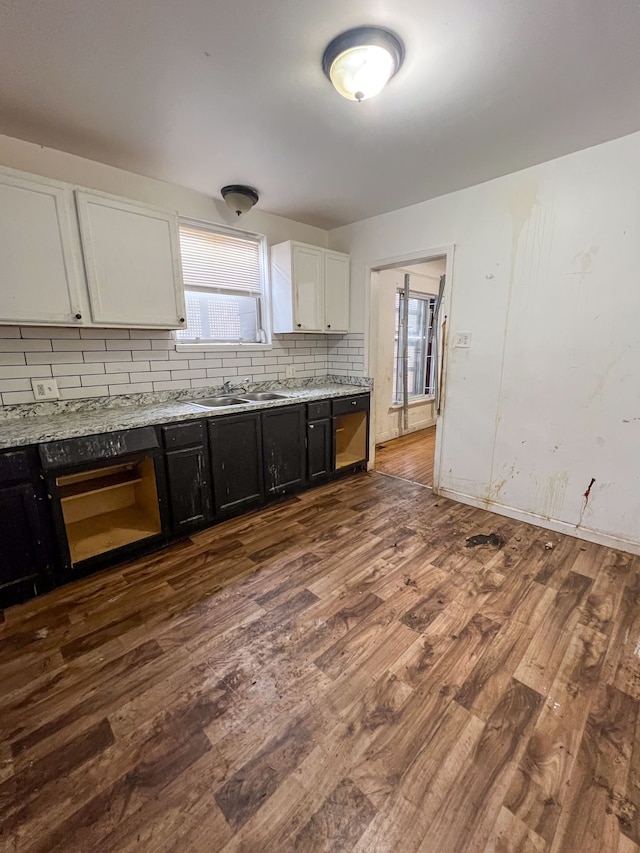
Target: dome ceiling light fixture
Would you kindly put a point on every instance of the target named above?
(239, 198)
(360, 62)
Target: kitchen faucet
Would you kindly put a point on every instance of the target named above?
(228, 387)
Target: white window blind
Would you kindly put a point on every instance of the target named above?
(219, 261)
(223, 277)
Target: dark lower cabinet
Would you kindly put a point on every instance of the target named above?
(283, 432)
(319, 449)
(189, 488)
(188, 476)
(24, 531)
(235, 446)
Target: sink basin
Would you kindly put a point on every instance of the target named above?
(263, 395)
(217, 402)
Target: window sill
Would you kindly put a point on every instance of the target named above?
(414, 401)
(206, 347)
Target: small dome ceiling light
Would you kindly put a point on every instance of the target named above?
(239, 198)
(360, 62)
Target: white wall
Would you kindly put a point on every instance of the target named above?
(545, 277)
(96, 362)
(425, 278)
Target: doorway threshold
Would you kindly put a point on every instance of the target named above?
(404, 479)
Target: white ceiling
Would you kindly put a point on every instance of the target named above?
(204, 94)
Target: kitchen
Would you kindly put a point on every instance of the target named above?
(221, 628)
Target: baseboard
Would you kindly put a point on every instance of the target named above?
(395, 433)
(583, 533)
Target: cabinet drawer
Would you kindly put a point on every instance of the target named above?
(14, 466)
(321, 409)
(183, 435)
(351, 404)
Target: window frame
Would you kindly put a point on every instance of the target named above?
(264, 300)
(429, 363)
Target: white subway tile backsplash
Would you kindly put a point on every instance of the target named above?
(126, 366)
(108, 378)
(76, 369)
(12, 398)
(61, 344)
(81, 393)
(53, 357)
(236, 362)
(15, 385)
(146, 376)
(20, 345)
(68, 382)
(13, 358)
(104, 334)
(22, 371)
(132, 388)
(173, 385)
(103, 362)
(108, 356)
(42, 332)
(187, 374)
(151, 334)
(128, 345)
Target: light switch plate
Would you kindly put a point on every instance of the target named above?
(290, 371)
(462, 339)
(45, 389)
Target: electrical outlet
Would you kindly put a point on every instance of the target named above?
(462, 339)
(290, 371)
(45, 389)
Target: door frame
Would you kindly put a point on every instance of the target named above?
(372, 268)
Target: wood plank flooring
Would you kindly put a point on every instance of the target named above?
(409, 457)
(337, 672)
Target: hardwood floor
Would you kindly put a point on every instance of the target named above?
(337, 672)
(409, 457)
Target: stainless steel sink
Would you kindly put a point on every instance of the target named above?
(257, 396)
(217, 402)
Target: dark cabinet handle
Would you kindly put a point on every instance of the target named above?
(328, 325)
(299, 325)
(78, 316)
(182, 319)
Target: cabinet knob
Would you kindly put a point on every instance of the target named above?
(182, 319)
(354, 402)
(328, 325)
(311, 426)
(299, 325)
(78, 316)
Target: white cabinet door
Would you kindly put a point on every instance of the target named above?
(336, 292)
(308, 302)
(41, 265)
(132, 261)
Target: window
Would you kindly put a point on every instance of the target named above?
(420, 363)
(224, 273)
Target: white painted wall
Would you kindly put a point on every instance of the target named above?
(545, 278)
(425, 278)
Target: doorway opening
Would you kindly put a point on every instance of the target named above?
(407, 366)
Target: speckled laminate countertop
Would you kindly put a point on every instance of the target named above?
(18, 432)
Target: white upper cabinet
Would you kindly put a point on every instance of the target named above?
(336, 292)
(42, 271)
(132, 262)
(310, 289)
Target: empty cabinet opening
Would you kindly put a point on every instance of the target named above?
(350, 438)
(106, 508)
